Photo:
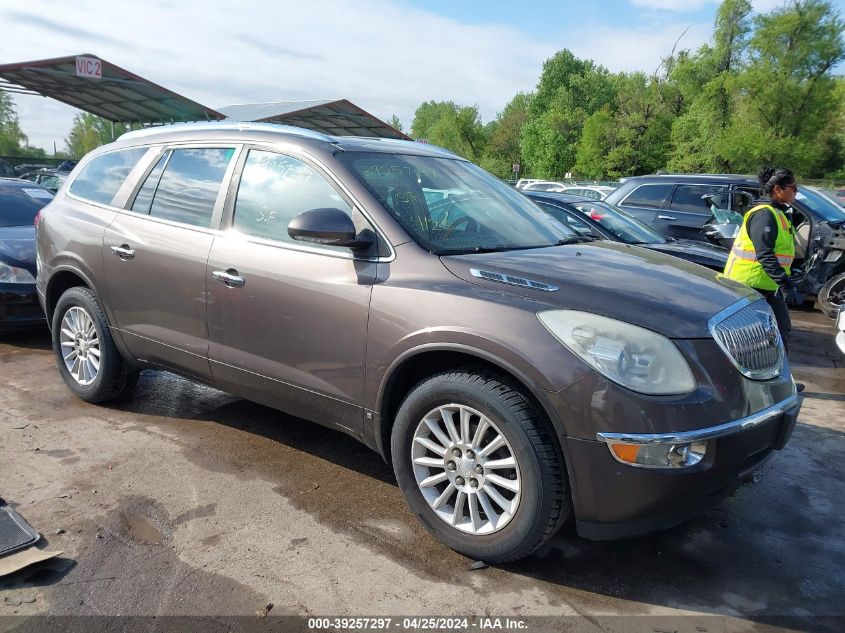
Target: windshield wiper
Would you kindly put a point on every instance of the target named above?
(575, 240)
(476, 249)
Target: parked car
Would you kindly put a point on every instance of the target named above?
(837, 195)
(24, 168)
(66, 165)
(516, 377)
(522, 182)
(50, 179)
(597, 219)
(676, 205)
(20, 202)
(840, 324)
(596, 192)
(545, 185)
(6, 170)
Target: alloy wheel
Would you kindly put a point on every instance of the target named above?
(80, 345)
(466, 469)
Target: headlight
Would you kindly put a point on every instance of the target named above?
(631, 356)
(13, 275)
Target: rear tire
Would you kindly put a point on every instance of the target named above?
(87, 357)
(520, 490)
(832, 295)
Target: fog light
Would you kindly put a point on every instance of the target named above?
(659, 455)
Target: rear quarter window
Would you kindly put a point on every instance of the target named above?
(101, 178)
(651, 196)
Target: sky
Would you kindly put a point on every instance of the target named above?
(386, 56)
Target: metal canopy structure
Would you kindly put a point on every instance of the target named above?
(106, 90)
(109, 91)
(334, 117)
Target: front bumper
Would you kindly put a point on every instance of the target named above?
(615, 500)
(19, 307)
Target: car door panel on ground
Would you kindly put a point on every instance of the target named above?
(277, 332)
(156, 256)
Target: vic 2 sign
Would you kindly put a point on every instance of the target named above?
(89, 67)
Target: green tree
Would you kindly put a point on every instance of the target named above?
(787, 96)
(706, 85)
(629, 137)
(12, 138)
(395, 123)
(569, 91)
(456, 128)
(503, 150)
(596, 143)
(89, 132)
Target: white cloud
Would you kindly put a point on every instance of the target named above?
(673, 5)
(383, 55)
(637, 49)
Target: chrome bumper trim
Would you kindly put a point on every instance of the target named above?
(700, 435)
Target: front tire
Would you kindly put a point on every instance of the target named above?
(478, 465)
(87, 357)
(832, 295)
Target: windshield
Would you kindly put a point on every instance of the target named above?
(820, 204)
(623, 226)
(20, 205)
(451, 206)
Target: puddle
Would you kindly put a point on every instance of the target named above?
(143, 530)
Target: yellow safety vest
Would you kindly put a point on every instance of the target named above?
(742, 263)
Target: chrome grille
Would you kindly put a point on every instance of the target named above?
(749, 335)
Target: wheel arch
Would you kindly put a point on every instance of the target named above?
(418, 364)
(60, 281)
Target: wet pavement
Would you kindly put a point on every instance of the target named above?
(187, 501)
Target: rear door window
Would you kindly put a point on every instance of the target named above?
(189, 185)
(144, 199)
(101, 178)
(651, 196)
(687, 198)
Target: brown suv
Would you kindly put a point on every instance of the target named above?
(516, 377)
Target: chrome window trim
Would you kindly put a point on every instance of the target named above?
(748, 373)
(701, 435)
(232, 233)
(180, 225)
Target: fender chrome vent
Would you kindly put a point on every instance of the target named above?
(522, 282)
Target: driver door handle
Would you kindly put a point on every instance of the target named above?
(229, 277)
(666, 217)
(123, 251)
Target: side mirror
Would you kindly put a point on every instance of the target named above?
(329, 226)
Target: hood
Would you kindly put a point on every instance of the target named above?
(17, 246)
(628, 283)
(699, 252)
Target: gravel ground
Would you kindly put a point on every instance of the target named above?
(186, 501)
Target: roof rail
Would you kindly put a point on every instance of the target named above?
(239, 126)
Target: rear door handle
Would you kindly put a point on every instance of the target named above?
(666, 217)
(229, 277)
(123, 251)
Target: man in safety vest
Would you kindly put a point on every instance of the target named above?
(763, 251)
